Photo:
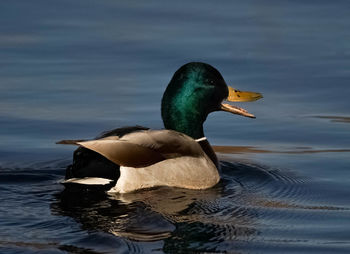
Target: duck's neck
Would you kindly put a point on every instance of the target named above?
(183, 110)
(191, 129)
(183, 119)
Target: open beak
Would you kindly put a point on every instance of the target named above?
(239, 96)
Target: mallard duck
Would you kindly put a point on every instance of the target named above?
(178, 156)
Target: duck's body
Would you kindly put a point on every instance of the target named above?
(181, 156)
(156, 158)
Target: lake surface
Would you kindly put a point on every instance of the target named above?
(72, 69)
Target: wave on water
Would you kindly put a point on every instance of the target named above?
(253, 206)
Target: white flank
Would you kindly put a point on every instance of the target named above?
(183, 172)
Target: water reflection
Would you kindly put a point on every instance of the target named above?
(337, 119)
(231, 212)
(162, 213)
(252, 204)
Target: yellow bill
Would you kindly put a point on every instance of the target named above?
(239, 96)
(235, 95)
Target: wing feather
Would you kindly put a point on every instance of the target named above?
(76, 141)
(124, 153)
(167, 142)
(70, 141)
(144, 148)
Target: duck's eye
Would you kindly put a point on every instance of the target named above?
(210, 81)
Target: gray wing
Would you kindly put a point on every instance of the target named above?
(77, 141)
(145, 148)
(70, 141)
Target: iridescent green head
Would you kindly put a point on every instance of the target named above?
(196, 90)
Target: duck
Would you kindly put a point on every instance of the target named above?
(134, 158)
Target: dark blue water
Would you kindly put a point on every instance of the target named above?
(72, 69)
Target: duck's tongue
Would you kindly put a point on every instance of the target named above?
(241, 96)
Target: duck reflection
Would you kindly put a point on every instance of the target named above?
(179, 217)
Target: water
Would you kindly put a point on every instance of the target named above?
(73, 69)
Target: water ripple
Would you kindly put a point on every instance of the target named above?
(253, 205)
